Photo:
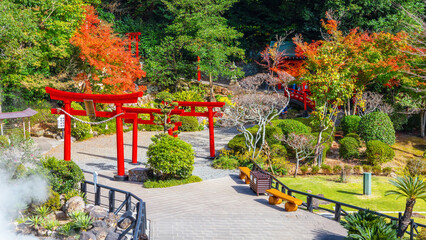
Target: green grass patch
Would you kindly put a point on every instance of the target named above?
(351, 192)
(170, 182)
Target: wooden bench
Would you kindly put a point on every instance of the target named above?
(277, 197)
(245, 174)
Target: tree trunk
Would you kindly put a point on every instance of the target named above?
(422, 123)
(297, 164)
(406, 218)
(211, 87)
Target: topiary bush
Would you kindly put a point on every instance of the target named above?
(288, 126)
(326, 169)
(337, 169)
(304, 169)
(354, 135)
(357, 169)
(377, 170)
(79, 130)
(387, 171)
(350, 124)
(349, 148)
(63, 175)
(366, 168)
(378, 152)
(416, 166)
(170, 157)
(189, 124)
(377, 126)
(238, 143)
(315, 169)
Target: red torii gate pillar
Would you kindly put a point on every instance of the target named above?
(118, 100)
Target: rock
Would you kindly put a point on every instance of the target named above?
(139, 174)
(99, 224)
(74, 204)
(87, 236)
(100, 232)
(89, 208)
(38, 133)
(114, 236)
(111, 220)
(23, 228)
(42, 231)
(98, 213)
(125, 223)
(322, 202)
(95, 133)
(58, 137)
(48, 135)
(62, 199)
(51, 216)
(126, 220)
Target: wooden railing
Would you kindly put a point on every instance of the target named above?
(338, 210)
(129, 202)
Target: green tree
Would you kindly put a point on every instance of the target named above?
(411, 188)
(198, 29)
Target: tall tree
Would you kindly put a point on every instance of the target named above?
(198, 29)
(107, 66)
(411, 188)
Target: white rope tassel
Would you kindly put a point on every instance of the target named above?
(91, 123)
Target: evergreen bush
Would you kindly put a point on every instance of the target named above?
(354, 135)
(337, 169)
(377, 126)
(288, 126)
(170, 157)
(304, 169)
(378, 152)
(416, 166)
(326, 169)
(377, 170)
(366, 168)
(189, 124)
(357, 169)
(387, 171)
(63, 175)
(315, 169)
(349, 148)
(226, 162)
(350, 124)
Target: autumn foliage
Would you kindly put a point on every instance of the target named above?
(108, 67)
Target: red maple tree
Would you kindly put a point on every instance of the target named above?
(108, 67)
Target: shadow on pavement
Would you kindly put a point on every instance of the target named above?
(279, 207)
(326, 235)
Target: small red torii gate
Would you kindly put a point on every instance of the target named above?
(181, 112)
(118, 100)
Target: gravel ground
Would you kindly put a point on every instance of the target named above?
(99, 153)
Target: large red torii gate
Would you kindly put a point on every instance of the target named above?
(119, 113)
(129, 114)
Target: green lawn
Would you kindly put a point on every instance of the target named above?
(351, 192)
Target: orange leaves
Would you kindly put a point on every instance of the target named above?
(331, 25)
(108, 64)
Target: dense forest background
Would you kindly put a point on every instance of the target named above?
(35, 48)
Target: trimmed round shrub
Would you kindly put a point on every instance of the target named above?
(416, 166)
(378, 152)
(238, 143)
(304, 169)
(377, 126)
(354, 135)
(387, 171)
(289, 125)
(337, 169)
(278, 151)
(366, 168)
(315, 169)
(189, 124)
(349, 148)
(63, 175)
(170, 157)
(350, 124)
(357, 169)
(377, 170)
(326, 169)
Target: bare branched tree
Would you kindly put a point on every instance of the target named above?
(372, 102)
(302, 145)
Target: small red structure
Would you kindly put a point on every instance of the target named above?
(118, 100)
(134, 37)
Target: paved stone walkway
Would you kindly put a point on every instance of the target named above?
(219, 208)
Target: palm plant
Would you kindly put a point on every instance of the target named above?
(411, 188)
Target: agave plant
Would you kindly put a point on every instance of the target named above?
(82, 222)
(411, 188)
(365, 225)
(42, 211)
(35, 221)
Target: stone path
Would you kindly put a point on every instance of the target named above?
(220, 207)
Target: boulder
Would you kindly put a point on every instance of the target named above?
(75, 204)
(114, 236)
(139, 174)
(87, 236)
(60, 215)
(99, 224)
(111, 220)
(48, 135)
(38, 133)
(23, 228)
(100, 232)
(98, 213)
